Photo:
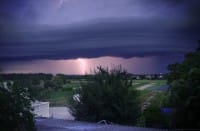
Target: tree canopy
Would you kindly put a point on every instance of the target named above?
(184, 93)
(15, 108)
(107, 97)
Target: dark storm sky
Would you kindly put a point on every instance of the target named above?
(69, 29)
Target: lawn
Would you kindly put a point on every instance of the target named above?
(155, 84)
(58, 98)
(150, 91)
(61, 96)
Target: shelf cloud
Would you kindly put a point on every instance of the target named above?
(67, 29)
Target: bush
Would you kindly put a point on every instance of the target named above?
(184, 93)
(15, 109)
(154, 115)
(107, 97)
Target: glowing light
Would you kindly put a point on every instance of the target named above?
(83, 65)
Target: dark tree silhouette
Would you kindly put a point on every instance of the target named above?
(184, 93)
(15, 108)
(107, 97)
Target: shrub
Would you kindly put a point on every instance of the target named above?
(107, 97)
(15, 109)
(184, 93)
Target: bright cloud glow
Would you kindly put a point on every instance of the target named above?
(138, 65)
(83, 65)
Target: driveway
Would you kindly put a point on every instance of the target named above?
(60, 113)
(67, 125)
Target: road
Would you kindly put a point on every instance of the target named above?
(67, 125)
(60, 113)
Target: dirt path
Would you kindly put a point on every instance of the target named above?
(145, 86)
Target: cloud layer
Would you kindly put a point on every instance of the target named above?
(66, 29)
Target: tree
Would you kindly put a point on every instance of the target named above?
(15, 108)
(107, 97)
(58, 81)
(184, 93)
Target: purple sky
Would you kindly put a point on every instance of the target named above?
(137, 65)
(142, 35)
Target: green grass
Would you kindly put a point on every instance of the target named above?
(144, 95)
(157, 83)
(138, 84)
(61, 97)
(58, 98)
(150, 91)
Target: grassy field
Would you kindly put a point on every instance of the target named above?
(149, 92)
(58, 98)
(61, 96)
(156, 83)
